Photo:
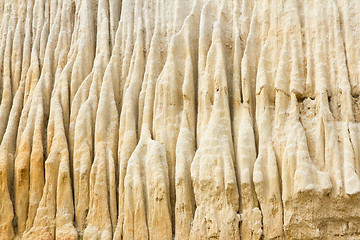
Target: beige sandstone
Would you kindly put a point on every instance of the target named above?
(179, 119)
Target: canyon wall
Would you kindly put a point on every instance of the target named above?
(179, 119)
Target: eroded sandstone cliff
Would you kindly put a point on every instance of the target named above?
(179, 119)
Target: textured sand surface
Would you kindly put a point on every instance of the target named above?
(179, 119)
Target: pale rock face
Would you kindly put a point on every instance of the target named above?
(179, 119)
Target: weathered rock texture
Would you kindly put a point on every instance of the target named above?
(179, 119)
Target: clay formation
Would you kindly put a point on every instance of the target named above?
(179, 119)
